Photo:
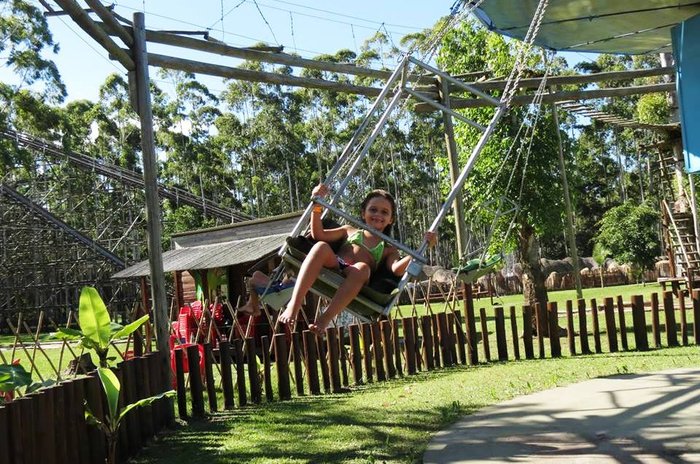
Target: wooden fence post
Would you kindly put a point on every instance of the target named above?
(639, 323)
(655, 323)
(470, 322)
(267, 368)
(410, 344)
(596, 327)
(514, 333)
(485, 334)
(553, 320)
(180, 383)
(501, 344)
(226, 374)
(540, 319)
(583, 327)
(132, 424)
(253, 379)
(461, 339)
(333, 358)
(47, 437)
(209, 377)
(240, 371)
(298, 352)
(343, 356)
(444, 339)
(426, 328)
(196, 387)
(696, 316)
(670, 315)
(610, 327)
(527, 332)
(356, 354)
(387, 343)
(59, 420)
(7, 450)
(437, 359)
(281, 361)
(570, 327)
(623, 325)
(311, 362)
(396, 347)
(366, 352)
(684, 321)
(378, 351)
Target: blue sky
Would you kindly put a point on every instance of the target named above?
(306, 27)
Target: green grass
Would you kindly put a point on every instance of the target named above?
(385, 422)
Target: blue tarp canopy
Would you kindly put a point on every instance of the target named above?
(600, 26)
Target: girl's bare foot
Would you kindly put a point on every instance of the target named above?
(288, 316)
(318, 329)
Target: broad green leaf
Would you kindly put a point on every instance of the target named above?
(114, 327)
(130, 328)
(111, 387)
(145, 402)
(68, 334)
(93, 317)
(13, 377)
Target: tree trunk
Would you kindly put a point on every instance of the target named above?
(534, 290)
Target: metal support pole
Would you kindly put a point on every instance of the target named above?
(458, 206)
(570, 231)
(150, 172)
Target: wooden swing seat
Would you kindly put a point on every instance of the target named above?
(372, 301)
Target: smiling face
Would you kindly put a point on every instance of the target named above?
(378, 210)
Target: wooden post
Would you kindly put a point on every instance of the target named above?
(396, 340)
(696, 316)
(59, 417)
(527, 332)
(410, 344)
(684, 321)
(343, 356)
(501, 344)
(47, 424)
(123, 442)
(267, 368)
(437, 359)
(209, 377)
(655, 322)
(333, 358)
(514, 333)
(311, 362)
(240, 371)
(226, 374)
(610, 324)
(367, 353)
(623, 325)
(388, 344)
(583, 327)
(485, 333)
(553, 322)
(7, 450)
(427, 331)
(356, 354)
(378, 351)
(253, 379)
(150, 179)
(570, 327)
(541, 327)
(196, 388)
(43, 435)
(180, 383)
(143, 388)
(470, 321)
(670, 315)
(461, 339)
(298, 351)
(323, 357)
(93, 396)
(281, 357)
(639, 323)
(596, 326)
(133, 425)
(444, 339)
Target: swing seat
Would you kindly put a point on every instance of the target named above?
(475, 268)
(372, 301)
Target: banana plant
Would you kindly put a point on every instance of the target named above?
(97, 330)
(114, 416)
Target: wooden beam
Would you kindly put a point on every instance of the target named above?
(220, 48)
(111, 22)
(558, 96)
(82, 19)
(257, 76)
(534, 82)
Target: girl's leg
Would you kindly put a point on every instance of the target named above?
(356, 276)
(320, 256)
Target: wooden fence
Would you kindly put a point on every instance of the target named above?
(49, 426)
(381, 351)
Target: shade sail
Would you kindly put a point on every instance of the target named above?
(599, 26)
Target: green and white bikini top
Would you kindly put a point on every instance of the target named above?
(358, 238)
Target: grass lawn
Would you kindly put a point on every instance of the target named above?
(385, 422)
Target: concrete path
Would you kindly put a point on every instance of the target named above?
(652, 418)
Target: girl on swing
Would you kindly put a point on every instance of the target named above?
(357, 258)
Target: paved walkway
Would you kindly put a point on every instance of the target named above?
(652, 418)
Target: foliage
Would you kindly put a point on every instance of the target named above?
(97, 331)
(12, 377)
(629, 232)
(114, 416)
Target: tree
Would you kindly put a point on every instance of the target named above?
(629, 231)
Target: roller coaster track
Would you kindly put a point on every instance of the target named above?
(124, 176)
